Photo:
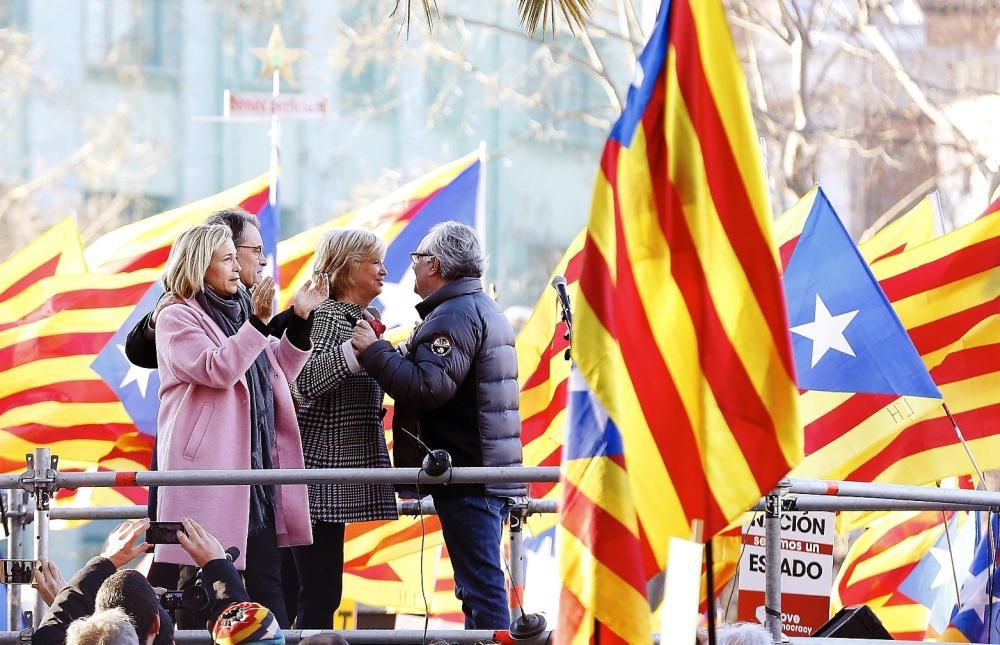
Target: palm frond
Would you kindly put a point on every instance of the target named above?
(543, 12)
(430, 9)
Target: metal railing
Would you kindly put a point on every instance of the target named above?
(42, 479)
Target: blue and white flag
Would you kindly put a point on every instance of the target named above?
(845, 335)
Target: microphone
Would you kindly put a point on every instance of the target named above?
(436, 462)
(559, 284)
(232, 553)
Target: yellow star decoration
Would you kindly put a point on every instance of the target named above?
(277, 57)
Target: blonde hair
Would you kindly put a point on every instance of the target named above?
(108, 627)
(190, 257)
(340, 251)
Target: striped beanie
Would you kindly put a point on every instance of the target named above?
(244, 623)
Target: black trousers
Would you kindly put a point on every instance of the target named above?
(320, 570)
(262, 576)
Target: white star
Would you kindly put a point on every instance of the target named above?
(399, 302)
(976, 598)
(943, 561)
(826, 331)
(137, 375)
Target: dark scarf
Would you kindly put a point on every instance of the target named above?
(230, 314)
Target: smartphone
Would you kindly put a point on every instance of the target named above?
(163, 532)
(17, 572)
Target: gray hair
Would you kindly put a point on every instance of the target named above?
(458, 250)
(737, 634)
(107, 627)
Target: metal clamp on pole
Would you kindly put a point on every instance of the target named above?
(39, 479)
(772, 570)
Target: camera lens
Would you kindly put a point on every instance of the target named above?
(195, 598)
(171, 600)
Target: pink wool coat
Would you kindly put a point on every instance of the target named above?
(204, 424)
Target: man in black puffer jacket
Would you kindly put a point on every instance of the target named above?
(455, 387)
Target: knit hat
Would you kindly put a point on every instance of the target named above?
(244, 623)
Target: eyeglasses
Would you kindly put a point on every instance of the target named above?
(256, 250)
(416, 256)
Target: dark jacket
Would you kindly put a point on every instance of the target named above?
(77, 598)
(456, 387)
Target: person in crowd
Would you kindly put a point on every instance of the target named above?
(98, 586)
(140, 344)
(225, 404)
(340, 417)
(108, 627)
(247, 623)
(129, 590)
(456, 388)
(48, 580)
(737, 634)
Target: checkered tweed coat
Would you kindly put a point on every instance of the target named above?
(340, 418)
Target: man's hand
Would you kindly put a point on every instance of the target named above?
(262, 299)
(363, 336)
(165, 301)
(199, 543)
(311, 295)
(120, 546)
(48, 581)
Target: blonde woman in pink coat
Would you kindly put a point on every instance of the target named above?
(225, 405)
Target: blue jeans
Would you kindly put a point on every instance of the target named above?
(472, 527)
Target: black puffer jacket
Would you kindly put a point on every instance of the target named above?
(456, 387)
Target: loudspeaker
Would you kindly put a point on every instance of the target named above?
(858, 621)
(437, 462)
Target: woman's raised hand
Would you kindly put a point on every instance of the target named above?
(262, 299)
(312, 294)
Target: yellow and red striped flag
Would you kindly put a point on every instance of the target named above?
(901, 567)
(49, 396)
(145, 244)
(681, 333)
(909, 230)
(946, 295)
(387, 216)
(57, 251)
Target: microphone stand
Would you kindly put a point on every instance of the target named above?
(566, 315)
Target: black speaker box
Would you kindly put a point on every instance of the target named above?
(858, 621)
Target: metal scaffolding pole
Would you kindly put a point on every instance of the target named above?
(828, 503)
(45, 469)
(19, 516)
(772, 566)
(478, 475)
(515, 561)
(406, 507)
(949, 496)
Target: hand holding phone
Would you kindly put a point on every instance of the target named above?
(17, 572)
(163, 532)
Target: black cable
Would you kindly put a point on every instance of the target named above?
(736, 576)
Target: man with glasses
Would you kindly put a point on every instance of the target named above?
(140, 346)
(455, 387)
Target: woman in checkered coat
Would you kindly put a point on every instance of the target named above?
(340, 417)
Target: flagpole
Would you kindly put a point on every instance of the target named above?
(951, 557)
(710, 591)
(272, 192)
(961, 439)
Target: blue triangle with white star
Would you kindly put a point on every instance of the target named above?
(138, 388)
(845, 335)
